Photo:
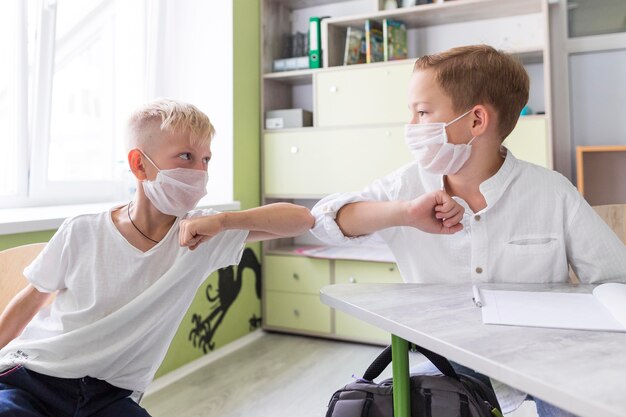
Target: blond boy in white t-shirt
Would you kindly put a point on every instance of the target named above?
(124, 279)
(519, 222)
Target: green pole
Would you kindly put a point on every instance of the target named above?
(401, 385)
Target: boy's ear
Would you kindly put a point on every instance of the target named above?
(481, 119)
(135, 161)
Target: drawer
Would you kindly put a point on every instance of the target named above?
(363, 96)
(296, 311)
(323, 161)
(296, 274)
(363, 272)
(529, 141)
(366, 272)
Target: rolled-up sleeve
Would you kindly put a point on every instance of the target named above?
(325, 212)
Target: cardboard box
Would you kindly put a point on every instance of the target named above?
(288, 118)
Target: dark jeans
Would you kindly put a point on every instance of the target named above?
(25, 393)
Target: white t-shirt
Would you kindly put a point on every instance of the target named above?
(117, 308)
(534, 225)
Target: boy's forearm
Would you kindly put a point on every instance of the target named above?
(19, 312)
(281, 219)
(364, 218)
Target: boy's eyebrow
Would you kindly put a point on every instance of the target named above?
(416, 103)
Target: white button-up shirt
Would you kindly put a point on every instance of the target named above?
(534, 225)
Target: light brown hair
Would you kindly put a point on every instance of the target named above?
(480, 74)
(167, 115)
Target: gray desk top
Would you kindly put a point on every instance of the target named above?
(579, 371)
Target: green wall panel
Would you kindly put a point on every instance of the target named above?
(10, 241)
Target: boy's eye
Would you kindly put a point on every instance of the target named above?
(421, 113)
(206, 160)
(186, 156)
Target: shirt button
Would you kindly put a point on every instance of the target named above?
(479, 270)
(477, 217)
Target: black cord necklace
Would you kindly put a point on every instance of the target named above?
(133, 223)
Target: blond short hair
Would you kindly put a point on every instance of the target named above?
(167, 115)
(480, 74)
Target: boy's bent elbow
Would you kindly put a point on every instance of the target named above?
(306, 219)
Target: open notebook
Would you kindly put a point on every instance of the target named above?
(604, 309)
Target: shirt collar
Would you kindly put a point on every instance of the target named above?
(492, 188)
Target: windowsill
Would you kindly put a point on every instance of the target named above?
(36, 219)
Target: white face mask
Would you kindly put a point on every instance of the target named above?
(175, 191)
(428, 142)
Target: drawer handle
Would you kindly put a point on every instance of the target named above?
(391, 269)
(352, 280)
(294, 149)
(296, 312)
(333, 89)
(296, 276)
(387, 133)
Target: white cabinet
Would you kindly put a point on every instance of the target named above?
(364, 95)
(529, 141)
(312, 164)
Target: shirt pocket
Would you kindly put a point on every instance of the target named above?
(536, 258)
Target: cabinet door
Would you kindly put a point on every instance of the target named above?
(302, 312)
(296, 274)
(363, 272)
(529, 141)
(319, 162)
(363, 96)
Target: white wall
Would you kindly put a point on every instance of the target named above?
(196, 66)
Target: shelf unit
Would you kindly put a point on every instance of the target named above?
(359, 112)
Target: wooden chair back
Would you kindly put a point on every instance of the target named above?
(12, 264)
(615, 216)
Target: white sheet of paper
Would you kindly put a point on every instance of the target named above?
(550, 309)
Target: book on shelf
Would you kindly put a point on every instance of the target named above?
(604, 309)
(395, 40)
(374, 41)
(355, 46)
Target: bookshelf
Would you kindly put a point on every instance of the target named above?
(359, 112)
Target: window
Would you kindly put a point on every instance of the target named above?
(77, 69)
(12, 103)
(91, 74)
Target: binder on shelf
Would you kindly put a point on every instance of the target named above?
(395, 40)
(374, 41)
(315, 42)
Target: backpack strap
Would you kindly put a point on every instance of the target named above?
(384, 359)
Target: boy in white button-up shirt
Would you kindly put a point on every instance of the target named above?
(521, 222)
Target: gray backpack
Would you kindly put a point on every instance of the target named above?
(449, 394)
